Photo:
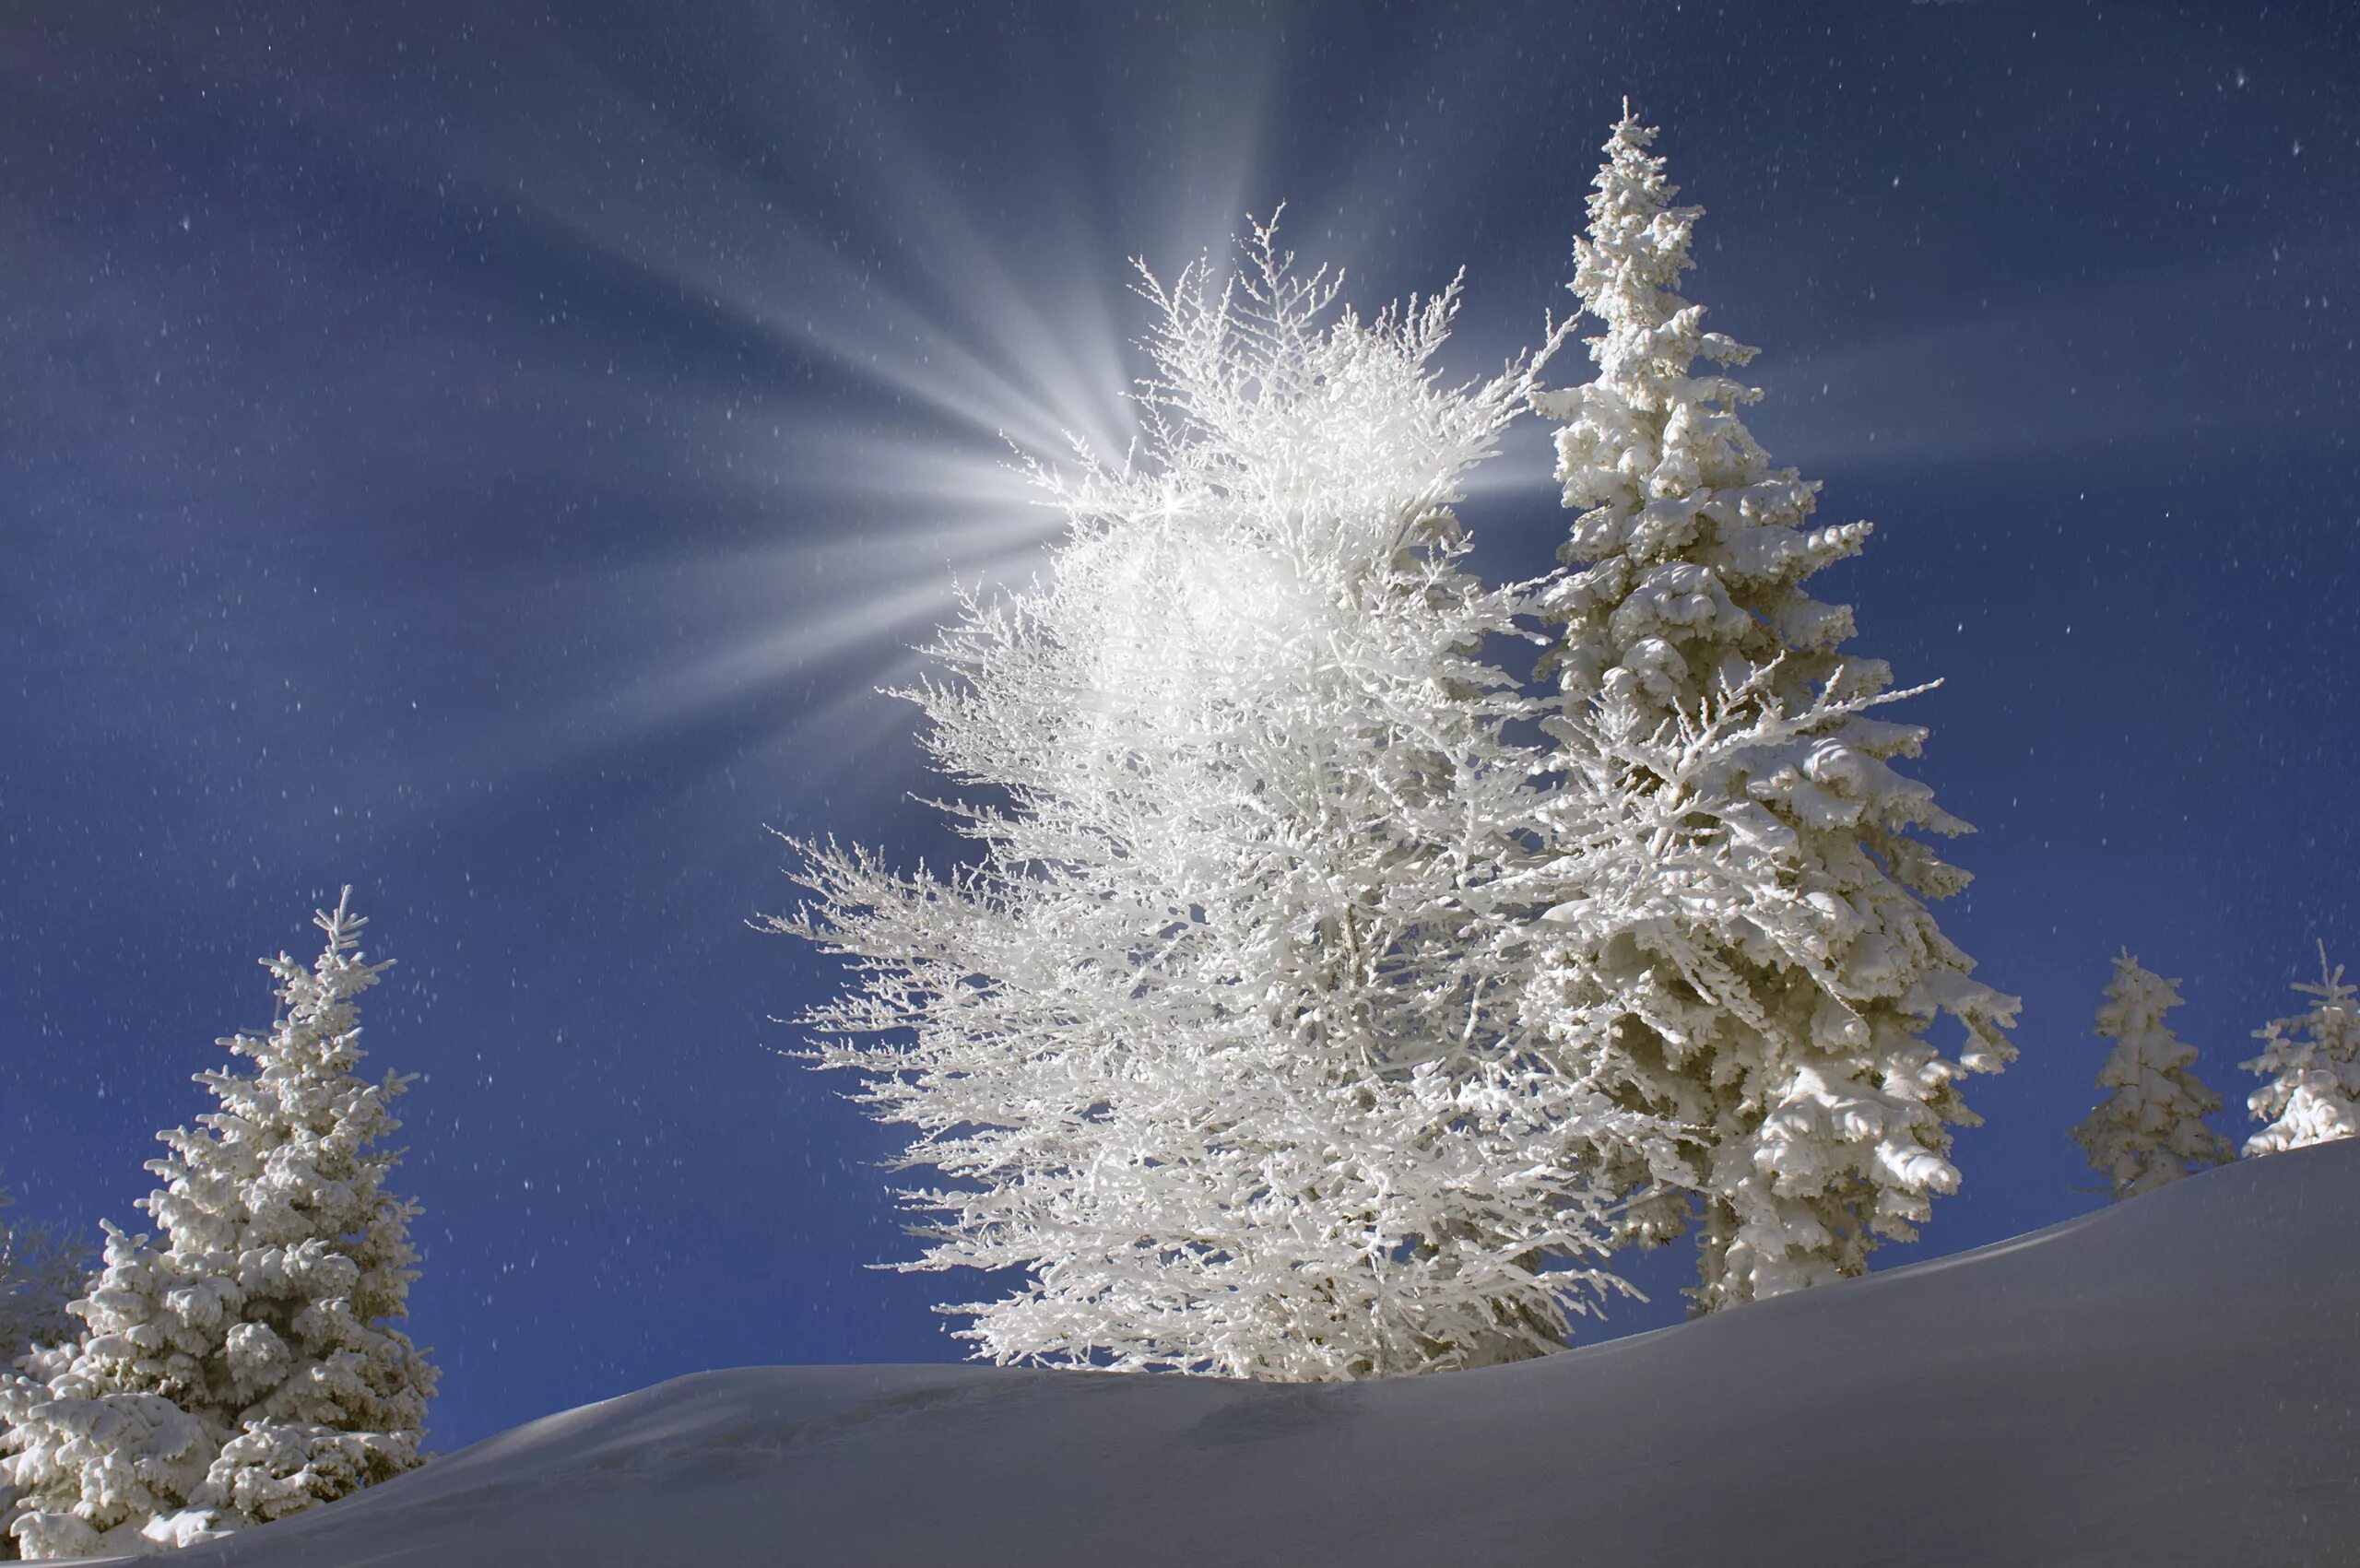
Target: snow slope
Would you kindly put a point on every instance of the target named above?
(2172, 1381)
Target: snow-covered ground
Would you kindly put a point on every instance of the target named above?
(2171, 1380)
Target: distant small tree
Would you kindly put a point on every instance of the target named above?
(2312, 1064)
(40, 1270)
(244, 1365)
(1784, 1017)
(2150, 1131)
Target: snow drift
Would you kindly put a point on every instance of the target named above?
(2170, 1381)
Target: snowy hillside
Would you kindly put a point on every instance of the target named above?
(2171, 1380)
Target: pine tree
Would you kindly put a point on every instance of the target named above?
(2312, 1062)
(242, 1365)
(1217, 1041)
(1783, 1019)
(40, 1270)
(2150, 1131)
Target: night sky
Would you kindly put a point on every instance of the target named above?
(492, 458)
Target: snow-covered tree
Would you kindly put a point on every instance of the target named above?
(2150, 1131)
(1782, 1015)
(40, 1270)
(242, 1364)
(2312, 1064)
(1217, 1038)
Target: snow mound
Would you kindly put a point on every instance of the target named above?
(2171, 1380)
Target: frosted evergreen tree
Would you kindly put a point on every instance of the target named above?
(2150, 1131)
(2312, 1064)
(90, 1470)
(40, 1270)
(243, 1365)
(1783, 1018)
(1217, 1040)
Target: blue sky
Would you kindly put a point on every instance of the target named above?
(492, 460)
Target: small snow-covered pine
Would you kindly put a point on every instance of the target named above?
(40, 1270)
(1216, 1040)
(2150, 1131)
(243, 1365)
(1780, 1008)
(2312, 1064)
